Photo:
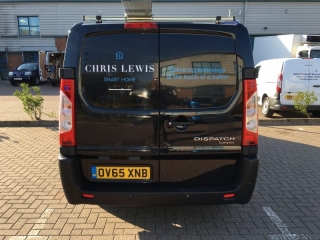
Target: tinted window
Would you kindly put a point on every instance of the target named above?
(118, 69)
(202, 69)
(125, 70)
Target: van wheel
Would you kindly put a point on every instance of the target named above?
(316, 114)
(266, 108)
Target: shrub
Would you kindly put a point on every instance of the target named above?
(303, 99)
(32, 105)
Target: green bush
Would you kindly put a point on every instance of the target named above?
(32, 105)
(303, 99)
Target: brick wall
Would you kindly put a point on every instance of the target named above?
(14, 60)
(61, 43)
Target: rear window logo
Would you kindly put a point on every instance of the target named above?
(119, 55)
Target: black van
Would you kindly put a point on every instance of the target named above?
(127, 133)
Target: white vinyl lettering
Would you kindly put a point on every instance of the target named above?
(95, 68)
(88, 68)
(124, 68)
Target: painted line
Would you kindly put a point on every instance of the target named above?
(282, 227)
(46, 214)
(276, 220)
(40, 224)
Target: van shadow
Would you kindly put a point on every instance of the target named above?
(288, 179)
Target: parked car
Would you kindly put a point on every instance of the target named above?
(27, 72)
(280, 80)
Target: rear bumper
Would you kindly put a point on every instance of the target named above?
(74, 185)
(277, 106)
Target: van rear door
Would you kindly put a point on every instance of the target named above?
(299, 75)
(200, 106)
(314, 78)
(116, 115)
(168, 98)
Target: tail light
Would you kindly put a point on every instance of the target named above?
(250, 125)
(66, 113)
(279, 83)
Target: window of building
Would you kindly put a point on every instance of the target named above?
(28, 26)
(205, 66)
(211, 91)
(167, 71)
(30, 56)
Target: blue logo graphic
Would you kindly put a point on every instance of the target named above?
(119, 55)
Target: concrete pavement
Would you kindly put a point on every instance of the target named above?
(11, 108)
(285, 203)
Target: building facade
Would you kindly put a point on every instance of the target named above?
(28, 27)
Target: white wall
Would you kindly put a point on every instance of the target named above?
(56, 18)
(283, 18)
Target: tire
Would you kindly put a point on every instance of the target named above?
(37, 81)
(316, 114)
(53, 84)
(13, 83)
(266, 108)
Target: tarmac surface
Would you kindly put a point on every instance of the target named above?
(285, 203)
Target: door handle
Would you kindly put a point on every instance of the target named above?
(316, 85)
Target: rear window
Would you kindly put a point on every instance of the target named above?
(145, 70)
(118, 69)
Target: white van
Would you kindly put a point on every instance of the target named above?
(280, 80)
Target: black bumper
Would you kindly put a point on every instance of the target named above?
(277, 106)
(74, 185)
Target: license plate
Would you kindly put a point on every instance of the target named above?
(288, 97)
(17, 79)
(121, 173)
